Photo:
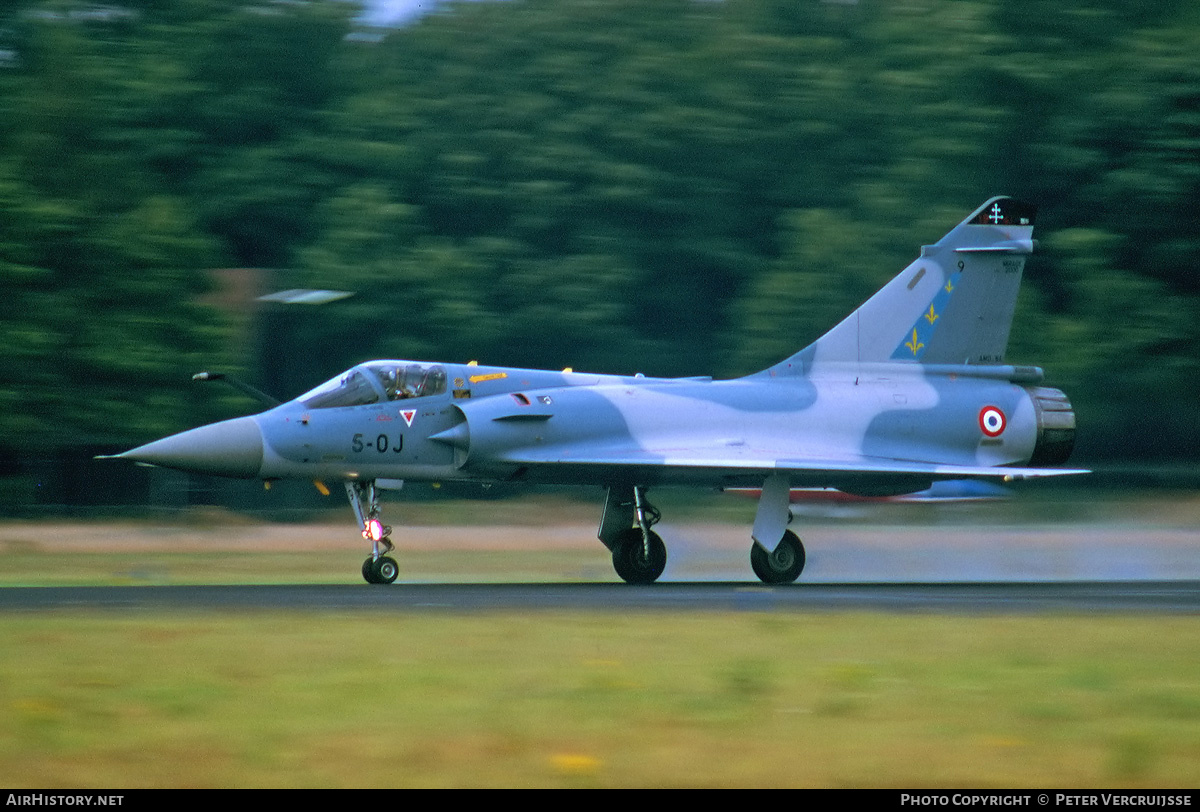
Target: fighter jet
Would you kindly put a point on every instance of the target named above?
(910, 389)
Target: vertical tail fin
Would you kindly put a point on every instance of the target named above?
(953, 305)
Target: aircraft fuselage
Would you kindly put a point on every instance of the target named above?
(566, 428)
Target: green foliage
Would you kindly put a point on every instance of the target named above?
(676, 187)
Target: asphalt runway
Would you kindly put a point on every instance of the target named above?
(1094, 556)
(1171, 597)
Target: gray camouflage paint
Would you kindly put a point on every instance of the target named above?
(908, 389)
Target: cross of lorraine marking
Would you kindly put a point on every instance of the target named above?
(995, 216)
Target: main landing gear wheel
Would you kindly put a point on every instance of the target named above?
(630, 559)
(782, 566)
(382, 570)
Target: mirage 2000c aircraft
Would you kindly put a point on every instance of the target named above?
(909, 389)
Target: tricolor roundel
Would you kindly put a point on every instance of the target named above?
(992, 421)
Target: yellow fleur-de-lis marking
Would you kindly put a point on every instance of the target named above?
(949, 285)
(914, 345)
(931, 316)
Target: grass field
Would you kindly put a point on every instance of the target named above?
(316, 699)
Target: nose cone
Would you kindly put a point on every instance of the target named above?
(232, 448)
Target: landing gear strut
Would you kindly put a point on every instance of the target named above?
(776, 556)
(379, 568)
(638, 553)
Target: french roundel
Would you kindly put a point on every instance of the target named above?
(992, 421)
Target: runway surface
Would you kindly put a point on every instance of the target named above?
(1101, 555)
(1173, 597)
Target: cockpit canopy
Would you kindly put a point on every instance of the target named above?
(376, 382)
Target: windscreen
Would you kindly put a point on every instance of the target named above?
(350, 389)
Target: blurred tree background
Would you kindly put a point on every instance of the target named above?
(676, 187)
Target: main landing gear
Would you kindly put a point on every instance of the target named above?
(784, 565)
(379, 568)
(639, 555)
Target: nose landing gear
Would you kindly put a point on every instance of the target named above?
(379, 568)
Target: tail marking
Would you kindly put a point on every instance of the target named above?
(922, 331)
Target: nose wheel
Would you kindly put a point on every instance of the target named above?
(382, 570)
(379, 568)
